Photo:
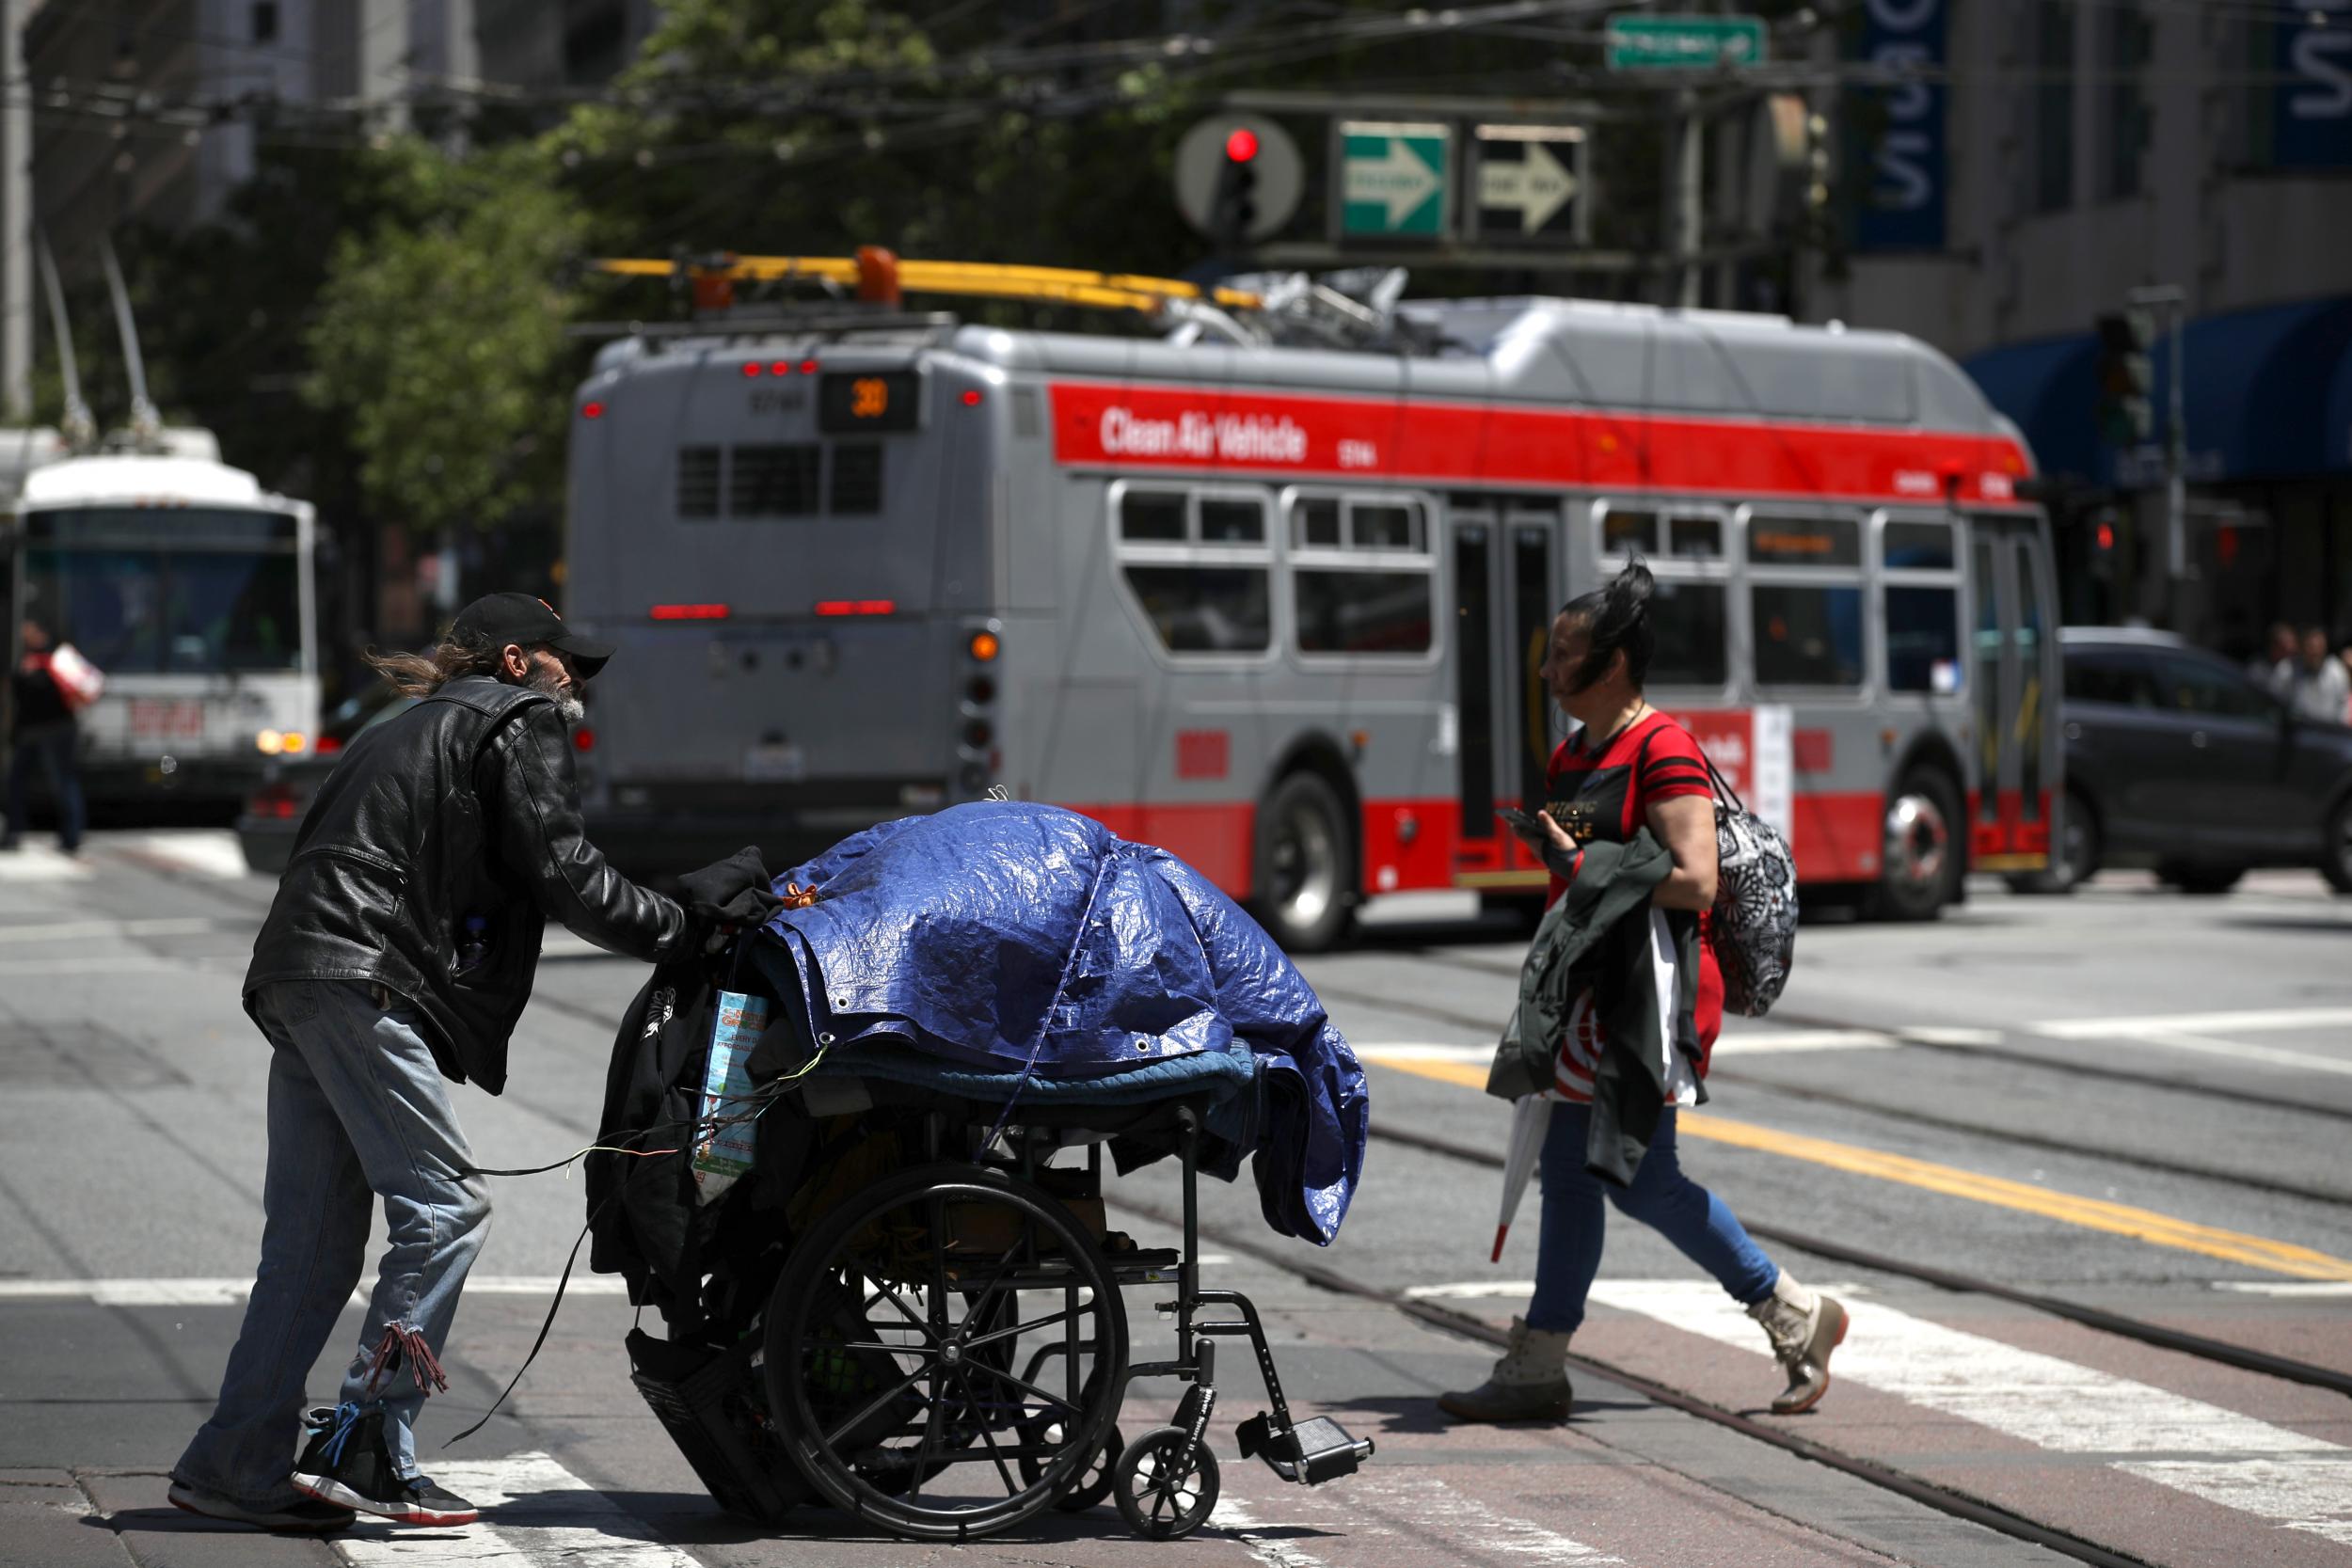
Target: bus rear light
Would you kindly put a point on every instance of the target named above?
(982, 690)
(782, 366)
(978, 732)
(808, 366)
(857, 606)
(328, 746)
(583, 739)
(972, 397)
(984, 647)
(690, 612)
(275, 801)
(751, 367)
(592, 409)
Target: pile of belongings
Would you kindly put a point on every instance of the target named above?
(1027, 943)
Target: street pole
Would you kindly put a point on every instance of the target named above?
(2174, 301)
(16, 221)
(1685, 151)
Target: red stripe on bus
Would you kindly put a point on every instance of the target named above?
(1132, 427)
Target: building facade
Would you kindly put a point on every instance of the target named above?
(2051, 157)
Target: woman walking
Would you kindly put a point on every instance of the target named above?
(1630, 768)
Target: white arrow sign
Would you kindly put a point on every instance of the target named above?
(1538, 186)
(1397, 180)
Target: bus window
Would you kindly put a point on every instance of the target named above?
(1689, 622)
(1804, 542)
(698, 482)
(857, 489)
(1346, 603)
(1622, 531)
(1226, 520)
(1922, 639)
(232, 610)
(2028, 639)
(1205, 609)
(1694, 538)
(1913, 546)
(1807, 634)
(1154, 516)
(1315, 522)
(777, 480)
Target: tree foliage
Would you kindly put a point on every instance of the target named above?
(441, 335)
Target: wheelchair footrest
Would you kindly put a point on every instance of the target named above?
(1313, 1451)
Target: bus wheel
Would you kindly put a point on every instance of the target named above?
(1922, 856)
(1305, 860)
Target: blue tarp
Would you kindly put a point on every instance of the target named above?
(1021, 939)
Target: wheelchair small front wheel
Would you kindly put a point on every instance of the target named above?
(1164, 1484)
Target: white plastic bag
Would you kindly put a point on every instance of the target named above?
(79, 682)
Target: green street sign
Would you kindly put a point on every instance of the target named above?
(1644, 40)
(1395, 180)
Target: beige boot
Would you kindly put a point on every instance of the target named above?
(1803, 1326)
(1529, 1383)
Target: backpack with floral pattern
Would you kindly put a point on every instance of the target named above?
(1755, 922)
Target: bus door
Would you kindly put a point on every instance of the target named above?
(2016, 786)
(1505, 583)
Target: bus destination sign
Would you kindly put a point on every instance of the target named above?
(849, 401)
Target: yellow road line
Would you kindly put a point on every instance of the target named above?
(2119, 1219)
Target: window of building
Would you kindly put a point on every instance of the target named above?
(857, 480)
(1362, 580)
(1806, 635)
(1200, 564)
(265, 20)
(2125, 45)
(698, 482)
(2054, 105)
(772, 481)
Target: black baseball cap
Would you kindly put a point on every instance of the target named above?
(504, 618)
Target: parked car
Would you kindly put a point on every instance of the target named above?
(273, 813)
(2178, 759)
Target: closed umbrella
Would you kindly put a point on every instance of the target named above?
(1531, 1117)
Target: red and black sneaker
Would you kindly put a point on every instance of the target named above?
(348, 1463)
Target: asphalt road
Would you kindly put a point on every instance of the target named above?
(2128, 1100)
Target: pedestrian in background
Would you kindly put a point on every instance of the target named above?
(398, 954)
(1630, 768)
(2317, 683)
(2276, 668)
(42, 734)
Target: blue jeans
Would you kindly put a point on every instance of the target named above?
(358, 1110)
(1693, 1219)
(50, 747)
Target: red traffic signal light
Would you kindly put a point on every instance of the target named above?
(1241, 146)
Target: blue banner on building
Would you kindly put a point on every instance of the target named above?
(1900, 169)
(2311, 106)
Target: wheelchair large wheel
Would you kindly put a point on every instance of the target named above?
(891, 1344)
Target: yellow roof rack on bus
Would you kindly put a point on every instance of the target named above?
(880, 278)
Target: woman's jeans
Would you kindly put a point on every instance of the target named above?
(356, 1110)
(1568, 1255)
(50, 747)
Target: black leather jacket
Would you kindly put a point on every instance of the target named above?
(462, 810)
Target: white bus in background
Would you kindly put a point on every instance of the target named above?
(193, 590)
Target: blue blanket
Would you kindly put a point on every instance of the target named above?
(1011, 937)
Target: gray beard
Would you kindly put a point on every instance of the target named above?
(551, 684)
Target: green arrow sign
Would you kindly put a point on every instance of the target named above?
(1395, 180)
(1643, 40)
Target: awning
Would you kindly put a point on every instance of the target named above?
(2268, 394)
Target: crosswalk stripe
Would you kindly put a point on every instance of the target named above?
(206, 852)
(38, 863)
(2296, 1482)
(545, 1515)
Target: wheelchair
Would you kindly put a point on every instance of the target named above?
(946, 1352)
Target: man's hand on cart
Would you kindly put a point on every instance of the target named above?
(728, 897)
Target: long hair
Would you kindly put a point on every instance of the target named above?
(423, 675)
(1616, 617)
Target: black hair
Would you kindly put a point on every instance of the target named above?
(1616, 618)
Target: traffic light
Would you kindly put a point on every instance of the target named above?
(2126, 379)
(1233, 212)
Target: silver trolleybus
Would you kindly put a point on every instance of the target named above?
(1280, 609)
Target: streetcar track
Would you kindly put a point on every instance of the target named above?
(1942, 1499)
(2158, 1335)
(2277, 1186)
